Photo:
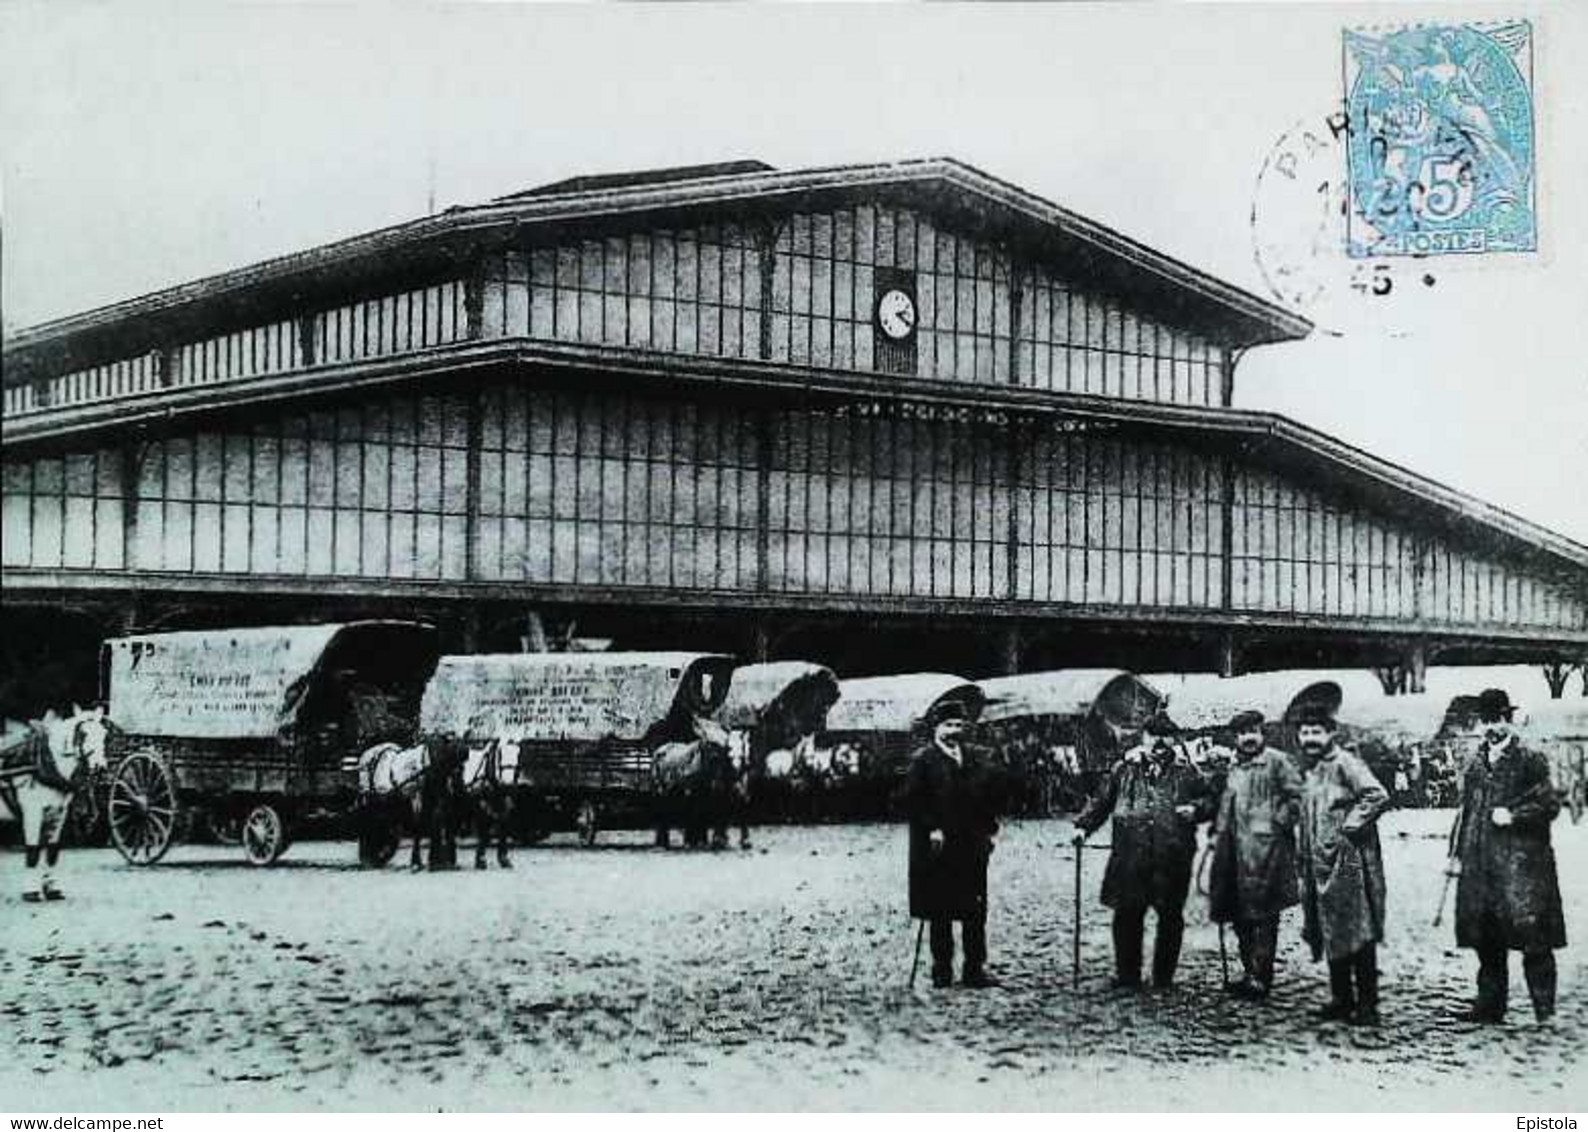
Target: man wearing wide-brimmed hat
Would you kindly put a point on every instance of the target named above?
(1507, 894)
(1156, 797)
(952, 798)
(1253, 874)
(1342, 866)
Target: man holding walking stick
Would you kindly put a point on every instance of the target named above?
(952, 800)
(1253, 875)
(1156, 797)
(1507, 891)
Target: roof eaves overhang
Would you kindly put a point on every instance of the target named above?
(1257, 435)
(432, 242)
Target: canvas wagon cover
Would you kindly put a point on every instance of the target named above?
(756, 688)
(897, 703)
(587, 697)
(1204, 701)
(219, 684)
(1068, 692)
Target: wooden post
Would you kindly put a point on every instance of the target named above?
(1227, 360)
(1229, 655)
(760, 641)
(1009, 652)
(1415, 669)
(1555, 676)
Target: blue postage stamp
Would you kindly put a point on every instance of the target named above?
(1440, 142)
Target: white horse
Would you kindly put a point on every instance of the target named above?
(489, 775)
(42, 766)
(391, 782)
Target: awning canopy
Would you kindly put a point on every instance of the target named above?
(898, 703)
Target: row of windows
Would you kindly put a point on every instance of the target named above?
(832, 480)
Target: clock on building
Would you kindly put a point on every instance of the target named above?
(896, 313)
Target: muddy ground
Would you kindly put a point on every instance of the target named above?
(626, 977)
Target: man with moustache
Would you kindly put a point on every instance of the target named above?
(1342, 867)
(1156, 797)
(952, 800)
(1507, 894)
(1253, 875)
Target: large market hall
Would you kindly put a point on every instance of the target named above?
(891, 417)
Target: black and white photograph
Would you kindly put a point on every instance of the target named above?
(793, 558)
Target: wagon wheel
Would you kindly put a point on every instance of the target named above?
(142, 808)
(264, 835)
(587, 821)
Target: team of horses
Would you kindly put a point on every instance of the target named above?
(703, 787)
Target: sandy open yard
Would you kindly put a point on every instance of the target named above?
(626, 977)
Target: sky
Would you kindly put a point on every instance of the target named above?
(143, 145)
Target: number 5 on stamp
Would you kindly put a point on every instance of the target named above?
(1440, 146)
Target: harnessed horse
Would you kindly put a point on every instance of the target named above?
(399, 784)
(43, 764)
(489, 774)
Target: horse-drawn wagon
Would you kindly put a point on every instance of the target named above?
(1060, 732)
(252, 731)
(875, 725)
(580, 736)
(771, 712)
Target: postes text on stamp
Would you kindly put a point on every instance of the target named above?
(1441, 144)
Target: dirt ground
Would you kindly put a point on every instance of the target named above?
(625, 977)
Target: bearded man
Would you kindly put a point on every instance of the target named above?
(1253, 875)
(1156, 797)
(1342, 867)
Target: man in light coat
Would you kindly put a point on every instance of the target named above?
(1253, 875)
(1342, 867)
(1508, 894)
(1157, 798)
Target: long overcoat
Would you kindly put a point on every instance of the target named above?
(1342, 866)
(1153, 846)
(961, 801)
(1253, 874)
(1508, 894)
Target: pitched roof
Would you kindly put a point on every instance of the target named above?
(1114, 261)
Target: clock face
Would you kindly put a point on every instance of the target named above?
(896, 314)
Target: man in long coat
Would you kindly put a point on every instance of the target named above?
(1253, 876)
(1156, 797)
(1508, 895)
(952, 799)
(1342, 867)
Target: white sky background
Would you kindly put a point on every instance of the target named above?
(145, 145)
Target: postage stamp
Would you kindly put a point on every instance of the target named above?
(1441, 146)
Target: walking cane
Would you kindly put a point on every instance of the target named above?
(1224, 958)
(1076, 941)
(915, 963)
(1452, 867)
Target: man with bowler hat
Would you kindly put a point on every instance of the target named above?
(952, 800)
(1342, 866)
(1156, 797)
(1507, 891)
(1253, 875)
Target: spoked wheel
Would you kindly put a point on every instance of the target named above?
(264, 835)
(587, 821)
(143, 808)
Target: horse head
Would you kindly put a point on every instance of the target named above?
(76, 742)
